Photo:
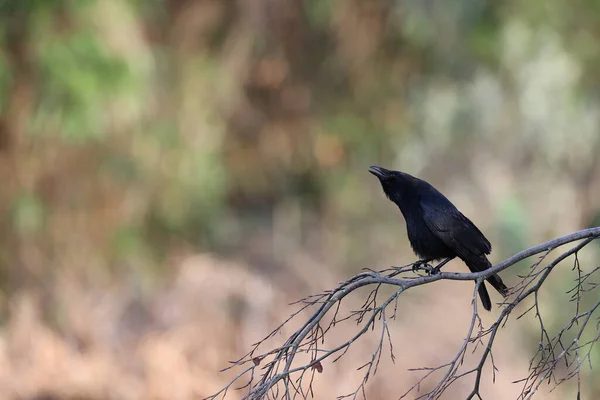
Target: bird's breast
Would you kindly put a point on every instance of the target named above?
(425, 243)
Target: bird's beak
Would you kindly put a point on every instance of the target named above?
(379, 172)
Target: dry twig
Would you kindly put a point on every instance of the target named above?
(283, 378)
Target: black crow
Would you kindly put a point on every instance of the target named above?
(436, 229)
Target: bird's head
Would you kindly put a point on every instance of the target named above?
(382, 173)
(394, 183)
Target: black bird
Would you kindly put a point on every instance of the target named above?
(436, 229)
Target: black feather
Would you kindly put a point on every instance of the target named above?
(436, 229)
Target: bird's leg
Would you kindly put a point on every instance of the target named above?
(438, 267)
(423, 264)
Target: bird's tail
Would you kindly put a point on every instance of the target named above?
(497, 283)
(485, 297)
(481, 264)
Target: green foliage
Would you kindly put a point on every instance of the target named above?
(128, 241)
(484, 41)
(5, 80)
(318, 12)
(11, 8)
(150, 9)
(192, 197)
(78, 78)
(513, 222)
(28, 214)
(122, 168)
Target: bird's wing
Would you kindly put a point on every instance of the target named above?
(456, 231)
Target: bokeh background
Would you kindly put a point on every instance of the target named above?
(173, 173)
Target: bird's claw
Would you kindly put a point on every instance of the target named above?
(418, 266)
(434, 271)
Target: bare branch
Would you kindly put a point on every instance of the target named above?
(284, 375)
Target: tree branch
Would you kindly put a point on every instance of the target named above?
(283, 377)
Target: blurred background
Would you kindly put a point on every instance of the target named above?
(175, 172)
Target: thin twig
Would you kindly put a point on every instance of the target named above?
(278, 365)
